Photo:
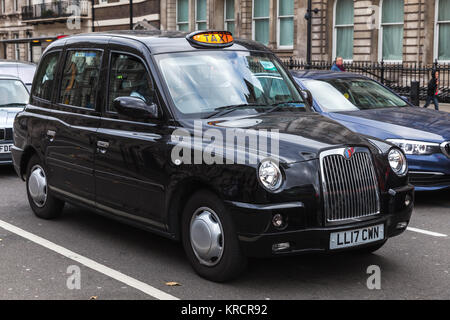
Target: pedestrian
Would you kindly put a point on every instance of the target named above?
(433, 90)
(338, 65)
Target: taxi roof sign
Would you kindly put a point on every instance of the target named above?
(211, 39)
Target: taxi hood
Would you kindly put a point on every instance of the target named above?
(301, 136)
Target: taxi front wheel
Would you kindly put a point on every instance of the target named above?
(209, 238)
(42, 202)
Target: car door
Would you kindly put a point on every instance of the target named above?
(73, 122)
(130, 158)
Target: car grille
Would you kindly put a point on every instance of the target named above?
(6, 134)
(350, 186)
(446, 148)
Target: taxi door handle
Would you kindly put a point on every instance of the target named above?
(102, 146)
(51, 135)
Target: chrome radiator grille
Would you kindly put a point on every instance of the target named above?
(349, 183)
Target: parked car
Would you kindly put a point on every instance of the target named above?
(367, 107)
(13, 97)
(113, 122)
(23, 70)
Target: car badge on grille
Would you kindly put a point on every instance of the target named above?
(348, 153)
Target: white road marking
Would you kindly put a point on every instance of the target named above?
(114, 274)
(430, 233)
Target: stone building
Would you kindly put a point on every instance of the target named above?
(12, 27)
(358, 30)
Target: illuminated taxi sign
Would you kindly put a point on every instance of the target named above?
(211, 38)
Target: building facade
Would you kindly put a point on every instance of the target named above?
(27, 27)
(358, 30)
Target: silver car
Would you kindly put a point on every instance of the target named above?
(13, 98)
(23, 70)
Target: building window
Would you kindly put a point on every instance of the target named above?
(261, 21)
(183, 15)
(343, 29)
(285, 34)
(3, 8)
(391, 30)
(200, 15)
(443, 31)
(16, 5)
(229, 15)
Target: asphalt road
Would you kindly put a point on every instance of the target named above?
(413, 266)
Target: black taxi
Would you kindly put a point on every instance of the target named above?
(205, 139)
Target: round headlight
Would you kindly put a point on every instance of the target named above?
(270, 175)
(397, 161)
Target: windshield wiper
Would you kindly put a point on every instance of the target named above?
(12, 104)
(221, 111)
(277, 106)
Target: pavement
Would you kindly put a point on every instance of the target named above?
(442, 106)
(127, 263)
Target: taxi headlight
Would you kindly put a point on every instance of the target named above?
(416, 147)
(397, 161)
(270, 175)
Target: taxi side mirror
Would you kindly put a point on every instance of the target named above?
(307, 95)
(134, 107)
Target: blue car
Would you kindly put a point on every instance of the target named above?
(367, 107)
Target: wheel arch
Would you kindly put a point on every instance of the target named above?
(178, 198)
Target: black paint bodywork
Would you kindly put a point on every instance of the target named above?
(136, 182)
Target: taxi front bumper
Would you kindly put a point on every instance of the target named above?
(315, 239)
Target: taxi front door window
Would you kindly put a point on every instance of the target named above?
(129, 78)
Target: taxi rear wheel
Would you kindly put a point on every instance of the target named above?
(42, 202)
(209, 238)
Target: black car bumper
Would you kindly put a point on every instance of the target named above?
(315, 239)
(16, 155)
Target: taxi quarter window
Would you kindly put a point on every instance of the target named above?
(128, 77)
(80, 79)
(46, 75)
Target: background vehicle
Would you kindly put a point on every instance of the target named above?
(108, 112)
(365, 106)
(23, 70)
(13, 97)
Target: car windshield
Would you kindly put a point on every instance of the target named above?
(13, 93)
(206, 83)
(335, 95)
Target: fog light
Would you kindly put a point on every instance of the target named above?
(278, 221)
(402, 225)
(281, 246)
(408, 200)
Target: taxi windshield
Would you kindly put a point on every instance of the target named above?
(12, 93)
(205, 83)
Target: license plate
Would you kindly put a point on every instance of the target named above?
(5, 148)
(357, 237)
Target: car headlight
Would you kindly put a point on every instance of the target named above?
(270, 175)
(416, 147)
(397, 161)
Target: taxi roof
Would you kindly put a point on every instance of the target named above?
(164, 41)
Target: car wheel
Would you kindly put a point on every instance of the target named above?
(42, 202)
(210, 240)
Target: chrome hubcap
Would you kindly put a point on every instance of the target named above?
(37, 186)
(206, 235)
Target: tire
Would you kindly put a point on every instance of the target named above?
(202, 207)
(370, 248)
(47, 207)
